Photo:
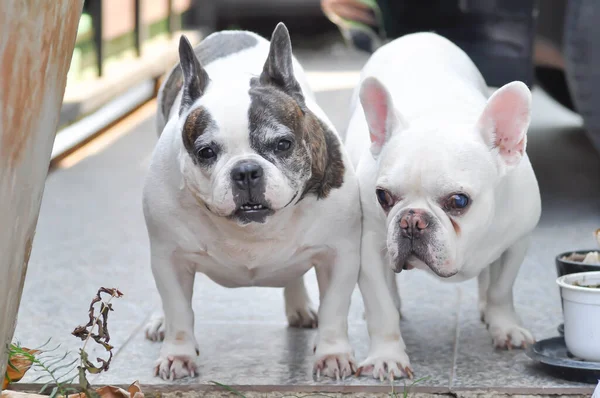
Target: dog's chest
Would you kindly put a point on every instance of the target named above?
(274, 263)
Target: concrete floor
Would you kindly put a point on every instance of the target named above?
(91, 233)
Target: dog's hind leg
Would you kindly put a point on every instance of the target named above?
(483, 282)
(155, 328)
(298, 306)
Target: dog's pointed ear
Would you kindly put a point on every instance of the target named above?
(195, 78)
(279, 69)
(504, 122)
(382, 118)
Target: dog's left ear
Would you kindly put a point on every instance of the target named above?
(278, 69)
(505, 120)
(195, 78)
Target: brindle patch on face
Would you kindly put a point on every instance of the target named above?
(196, 124)
(314, 165)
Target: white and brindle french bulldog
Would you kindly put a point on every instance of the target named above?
(445, 183)
(250, 185)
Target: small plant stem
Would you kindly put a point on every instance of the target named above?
(96, 323)
(54, 379)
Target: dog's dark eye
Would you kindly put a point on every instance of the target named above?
(458, 201)
(206, 153)
(284, 145)
(384, 198)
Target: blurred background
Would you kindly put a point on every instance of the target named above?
(124, 46)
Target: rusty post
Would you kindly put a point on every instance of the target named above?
(36, 45)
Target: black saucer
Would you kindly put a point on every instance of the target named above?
(553, 354)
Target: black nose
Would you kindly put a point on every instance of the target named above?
(247, 174)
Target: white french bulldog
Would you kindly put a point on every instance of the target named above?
(445, 185)
(249, 184)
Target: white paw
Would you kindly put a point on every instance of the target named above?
(387, 363)
(155, 328)
(336, 366)
(505, 328)
(177, 359)
(510, 336)
(334, 358)
(304, 317)
(175, 367)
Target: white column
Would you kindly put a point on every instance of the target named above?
(36, 44)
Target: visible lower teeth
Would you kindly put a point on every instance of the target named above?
(252, 207)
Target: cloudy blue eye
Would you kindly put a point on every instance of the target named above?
(458, 201)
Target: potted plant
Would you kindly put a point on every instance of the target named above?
(579, 261)
(580, 294)
(579, 282)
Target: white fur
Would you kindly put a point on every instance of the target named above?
(186, 238)
(440, 139)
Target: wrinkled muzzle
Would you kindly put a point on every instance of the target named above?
(415, 236)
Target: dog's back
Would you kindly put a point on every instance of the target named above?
(427, 66)
(425, 74)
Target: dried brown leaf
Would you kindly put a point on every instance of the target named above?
(18, 365)
(112, 392)
(101, 337)
(133, 391)
(82, 332)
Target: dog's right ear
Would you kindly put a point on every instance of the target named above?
(195, 78)
(383, 120)
(278, 69)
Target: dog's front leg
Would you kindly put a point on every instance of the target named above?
(175, 282)
(390, 278)
(499, 314)
(337, 274)
(387, 354)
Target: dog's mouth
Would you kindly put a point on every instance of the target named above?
(251, 207)
(253, 212)
(412, 262)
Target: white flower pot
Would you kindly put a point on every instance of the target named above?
(581, 309)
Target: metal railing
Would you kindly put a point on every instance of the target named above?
(95, 9)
